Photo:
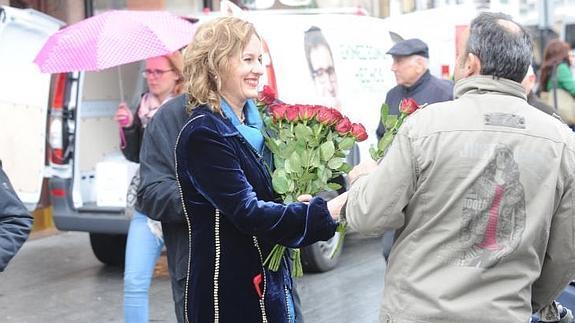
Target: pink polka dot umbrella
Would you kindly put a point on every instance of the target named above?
(114, 38)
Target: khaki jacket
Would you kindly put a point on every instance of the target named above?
(481, 192)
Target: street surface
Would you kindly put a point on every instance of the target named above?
(57, 279)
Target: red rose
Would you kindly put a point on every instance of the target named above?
(337, 116)
(358, 131)
(328, 116)
(277, 111)
(292, 113)
(324, 116)
(267, 95)
(343, 126)
(408, 106)
(307, 112)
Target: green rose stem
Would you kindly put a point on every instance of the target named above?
(341, 228)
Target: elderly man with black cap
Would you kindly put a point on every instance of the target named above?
(410, 66)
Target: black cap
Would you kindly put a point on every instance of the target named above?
(409, 47)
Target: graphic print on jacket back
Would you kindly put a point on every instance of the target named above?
(493, 215)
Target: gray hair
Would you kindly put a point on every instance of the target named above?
(503, 47)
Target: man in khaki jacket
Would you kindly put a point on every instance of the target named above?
(481, 190)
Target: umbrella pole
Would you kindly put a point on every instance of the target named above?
(121, 84)
(123, 141)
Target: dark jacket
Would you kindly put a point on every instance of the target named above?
(428, 89)
(217, 168)
(158, 194)
(15, 221)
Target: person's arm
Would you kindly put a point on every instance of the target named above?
(133, 135)
(158, 193)
(559, 260)
(15, 221)
(376, 201)
(565, 78)
(214, 169)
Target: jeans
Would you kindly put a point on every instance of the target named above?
(297, 302)
(143, 249)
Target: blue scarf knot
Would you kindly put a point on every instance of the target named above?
(251, 129)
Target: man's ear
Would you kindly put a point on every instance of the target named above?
(472, 65)
(421, 64)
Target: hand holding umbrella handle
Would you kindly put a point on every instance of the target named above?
(124, 115)
(125, 119)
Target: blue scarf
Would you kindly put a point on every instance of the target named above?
(251, 129)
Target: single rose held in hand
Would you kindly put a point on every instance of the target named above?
(392, 123)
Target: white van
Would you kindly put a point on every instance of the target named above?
(24, 95)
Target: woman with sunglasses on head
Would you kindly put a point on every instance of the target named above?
(164, 78)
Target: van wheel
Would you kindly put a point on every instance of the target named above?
(316, 257)
(110, 249)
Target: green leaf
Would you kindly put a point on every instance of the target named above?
(305, 158)
(329, 174)
(300, 146)
(280, 182)
(333, 186)
(346, 143)
(345, 168)
(278, 162)
(316, 186)
(285, 135)
(329, 136)
(291, 187)
(269, 123)
(340, 154)
(316, 129)
(322, 174)
(384, 113)
(303, 132)
(327, 150)
(390, 122)
(294, 163)
(285, 149)
(307, 177)
(385, 141)
(373, 153)
(335, 163)
(272, 145)
(289, 199)
(313, 142)
(315, 160)
(290, 148)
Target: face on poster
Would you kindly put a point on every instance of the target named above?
(321, 59)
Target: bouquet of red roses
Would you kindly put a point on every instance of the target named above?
(309, 144)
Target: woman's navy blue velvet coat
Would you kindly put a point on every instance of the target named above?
(218, 170)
